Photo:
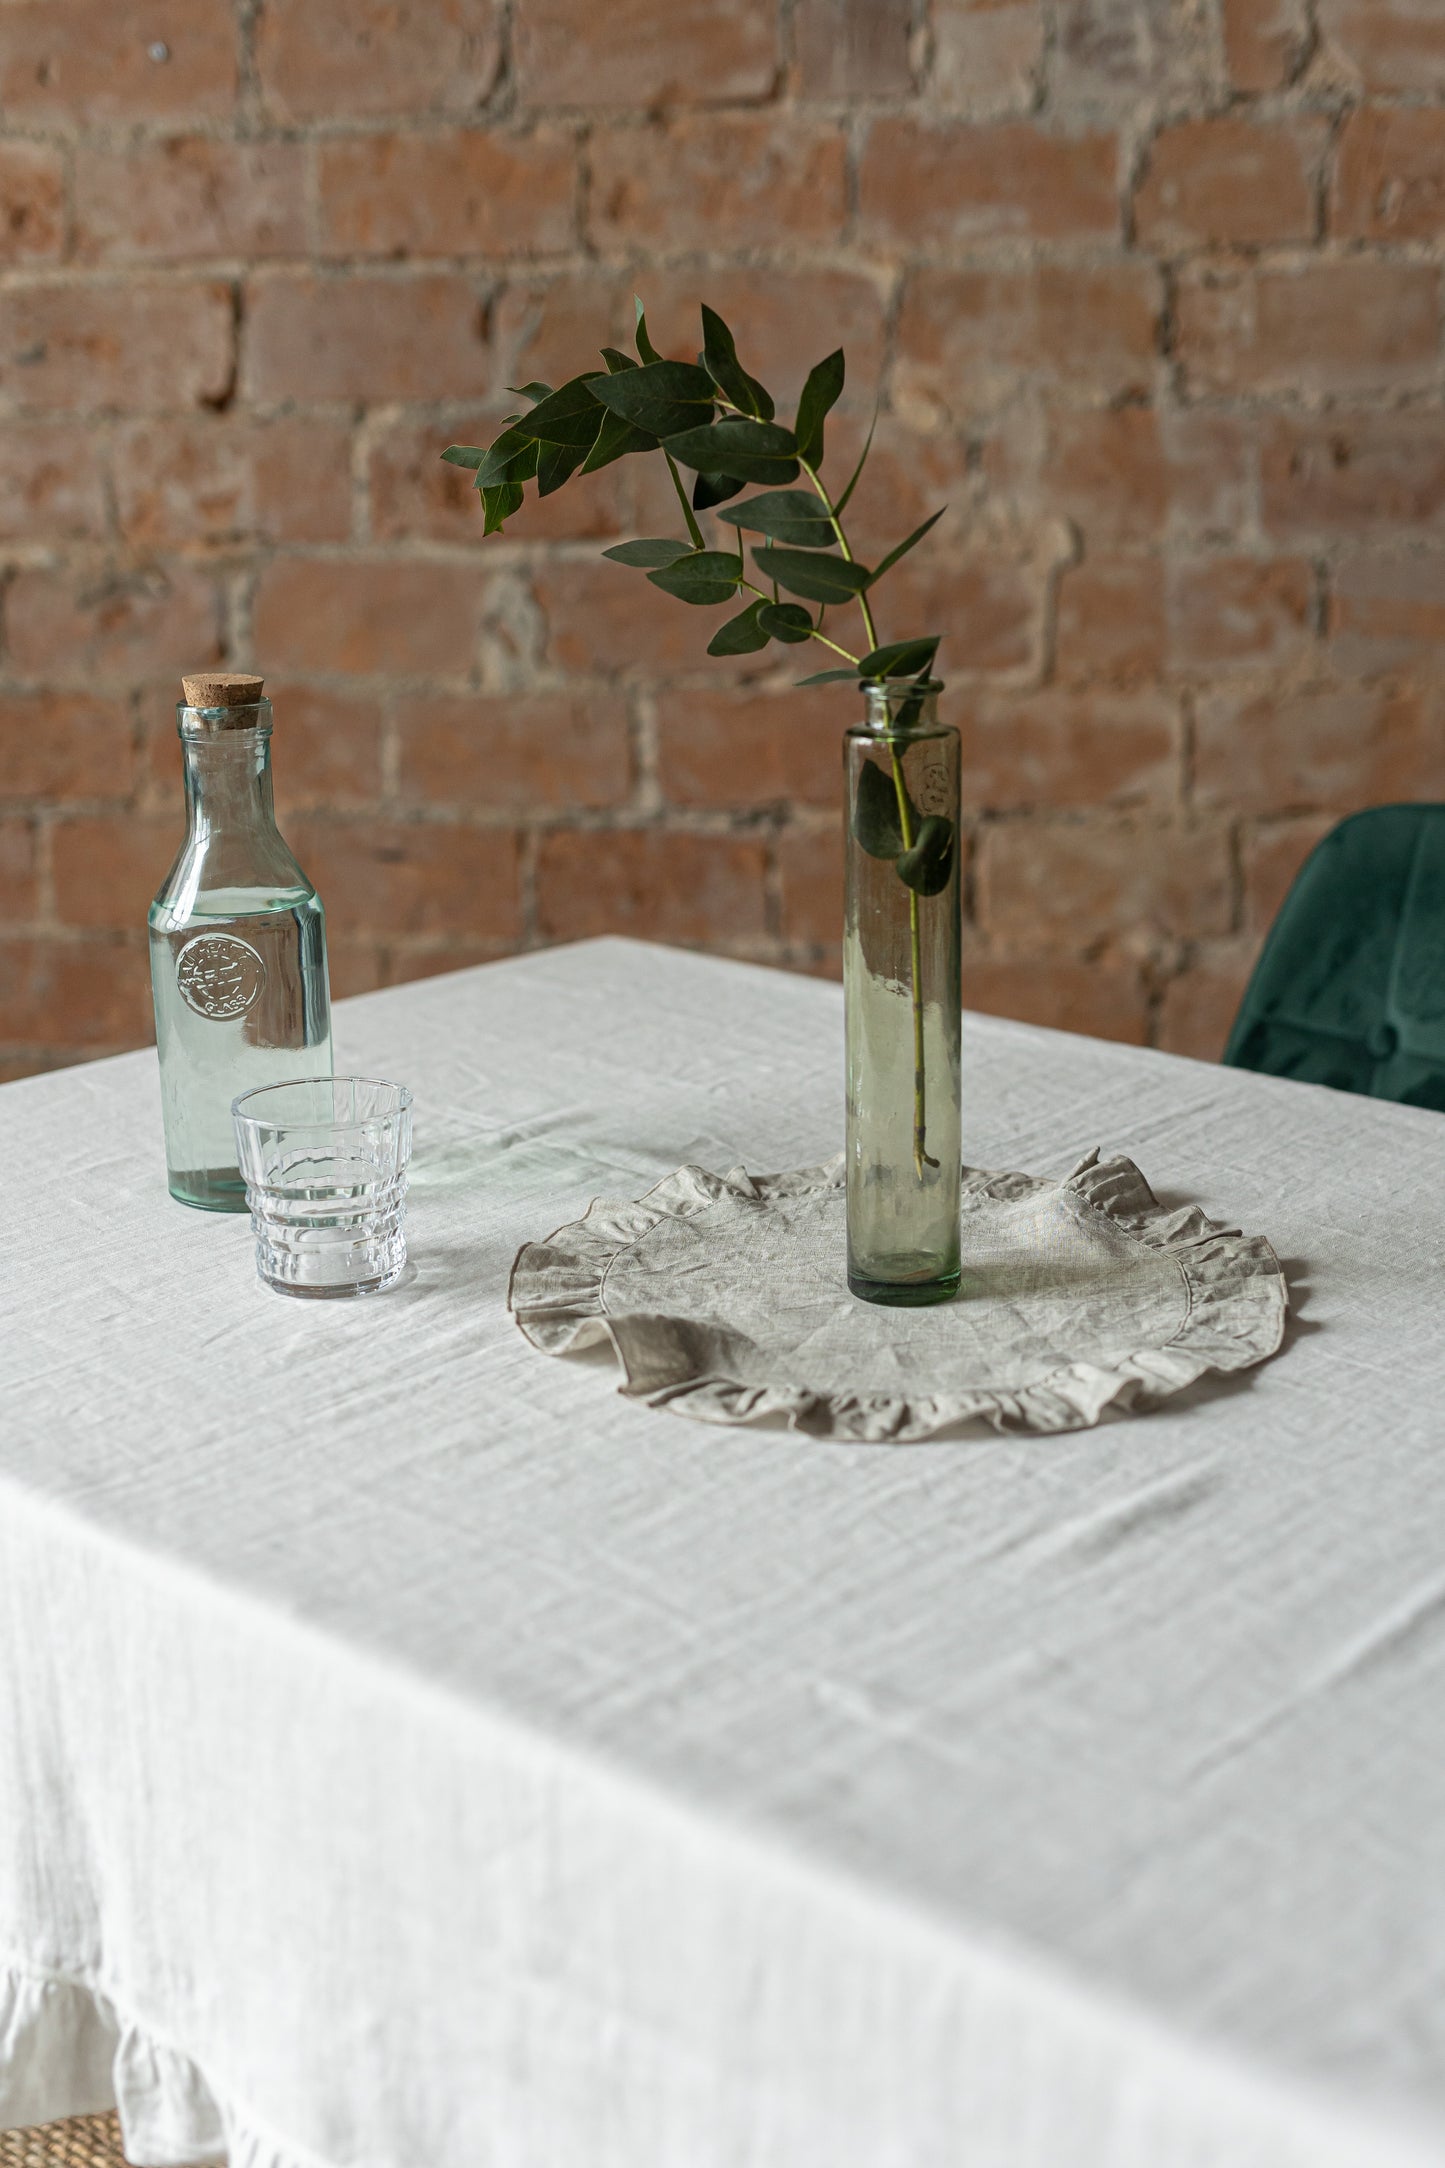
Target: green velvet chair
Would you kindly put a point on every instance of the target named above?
(1349, 989)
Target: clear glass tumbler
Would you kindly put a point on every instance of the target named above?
(324, 1162)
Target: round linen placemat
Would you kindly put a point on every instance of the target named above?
(723, 1298)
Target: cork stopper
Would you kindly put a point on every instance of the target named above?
(222, 689)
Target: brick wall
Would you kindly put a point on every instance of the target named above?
(1153, 291)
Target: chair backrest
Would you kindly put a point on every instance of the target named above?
(1349, 989)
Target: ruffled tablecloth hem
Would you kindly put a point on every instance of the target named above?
(67, 2047)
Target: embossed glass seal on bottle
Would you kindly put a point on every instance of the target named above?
(238, 944)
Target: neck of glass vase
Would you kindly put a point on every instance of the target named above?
(895, 710)
(227, 755)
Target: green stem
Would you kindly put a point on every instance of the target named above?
(764, 596)
(687, 511)
(921, 1156)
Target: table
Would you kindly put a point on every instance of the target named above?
(413, 1754)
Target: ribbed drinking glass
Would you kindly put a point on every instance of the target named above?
(324, 1162)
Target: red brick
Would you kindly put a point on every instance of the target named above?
(107, 866)
(987, 53)
(111, 627)
(1387, 613)
(606, 617)
(988, 608)
(1353, 474)
(1223, 611)
(326, 750)
(108, 345)
(747, 748)
(1390, 176)
(852, 48)
(1130, 474)
(422, 958)
(189, 196)
(389, 878)
(416, 494)
(1116, 52)
(74, 996)
(52, 487)
(223, 479)
(810, 877)
(652, 885)
(1056, 748)
(513, 753)
(1388, 44)
(1335, 746)
(1264, 41)
(57, 745)
(967, 335)
(1043, 887)
(1012, 180)
(470, 191)
(1230, 181)
(32, 203)
(552, 328)
(360, 618)
(19, 871)
(79, 61)
(365, 337)
(717, 181)
(703, 52)
(355, 964)
(1106, 1001)
(1198, 1007)
(377, 56)
(1111, 618)
(1271, 858)
(1324, 327)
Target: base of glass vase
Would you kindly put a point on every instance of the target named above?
(905, 1294)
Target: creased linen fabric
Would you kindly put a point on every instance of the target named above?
(411, 1754)
(723, 1298)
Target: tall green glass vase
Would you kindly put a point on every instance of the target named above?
(902, 998)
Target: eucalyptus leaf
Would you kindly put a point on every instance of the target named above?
(820, 396)
(614, 439)
(904, 547)
(499, 503)
(665, 397)
(465, 455)
(842, 501)
(720, 359)
(711, 489)
(876, 824)
(567, 416)
(557, 463)
(645, 346)
(741, 635)
(786, 515)
(928, 867)
(904, 658)
(648, 553)
(513, 458)
(702, 577)
(536, 391)
(617, 362)
(749, 451)
(785, 621)
(828, 677)
(809, 574)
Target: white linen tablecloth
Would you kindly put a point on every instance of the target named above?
(414, 1754)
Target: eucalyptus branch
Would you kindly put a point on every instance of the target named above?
(717, 421)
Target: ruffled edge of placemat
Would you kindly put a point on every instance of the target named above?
(1238, 1303)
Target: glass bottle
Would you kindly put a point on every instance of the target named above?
(902, 998)
(238, 945)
